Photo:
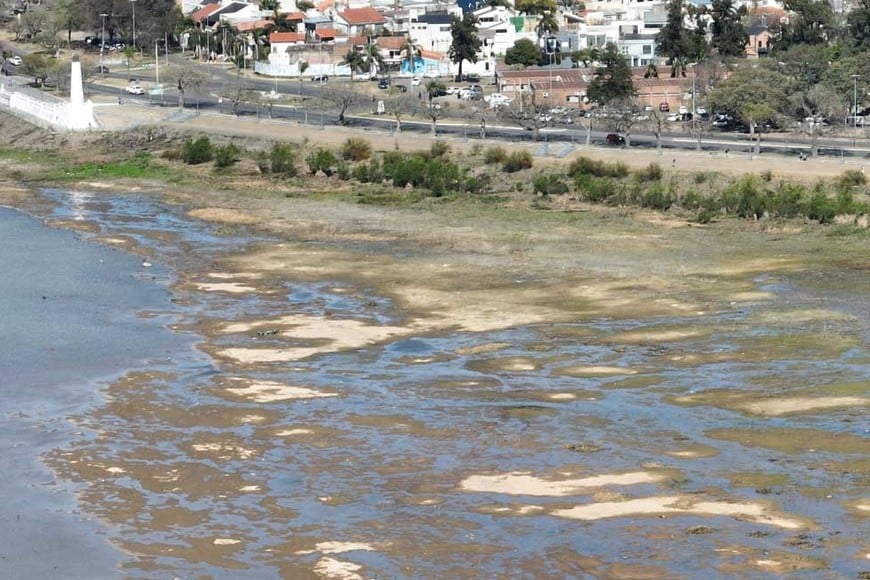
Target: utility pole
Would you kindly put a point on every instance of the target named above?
(854, 108)
(133, 8)
(102, 40)
(156, 64)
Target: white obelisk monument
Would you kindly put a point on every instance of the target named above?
(80, 113)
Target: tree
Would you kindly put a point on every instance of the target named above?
(374, 59)
(342, 98)
(184, 79)
(586, 55)
(434, 111)
(547, 24)
(238, 94)
(670, 41)
(858, 25)
(398, 104)
(69, 17)
(818, 109)
(728, 36)
(811, 22)
(657, 123)
(465, 42)
(154, 18)
(524, 53)
(525, 112)
(612, 81)
(533, 7)
(753, 95)
(36, 65)
(411, 52)
(805, 64)
(355, 60)
(622, 115)
(32, 22)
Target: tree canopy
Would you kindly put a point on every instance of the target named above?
(612, 81)
(524, 53)
(465, 42)
(728, 35)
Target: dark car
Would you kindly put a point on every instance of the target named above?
(384, 83)
(439, 92)
(665, 107)
(614, 139)
(319, 78)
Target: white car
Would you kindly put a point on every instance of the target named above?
(15, 59)
(415, 82)
(135, 90)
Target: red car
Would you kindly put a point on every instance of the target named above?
(614, 139)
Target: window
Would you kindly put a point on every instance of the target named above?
(647, 49)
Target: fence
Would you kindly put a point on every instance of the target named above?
(44, 110)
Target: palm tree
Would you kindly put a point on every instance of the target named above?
(652, 71)
(373, 58)
(586, 55)
(547, 24)
(412, 52)
(355, 60)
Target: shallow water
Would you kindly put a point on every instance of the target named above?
(223, 469)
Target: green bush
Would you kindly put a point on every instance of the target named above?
(263, 160)
(788, 199)
(652, 172)
(691, 200)
(227, 155)
(439, 176)
(587, 166)
(439, 149)
(549, 185)
(322, 160)
(821, 208)
(196, 151)
(494, 155)
(282, 159)
(597, 189)
(851, 178)
(356, 149)
(342, 169)
(371, 172)
(517, 161)
(656, 197)
(705, 216)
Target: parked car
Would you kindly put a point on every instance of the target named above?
(439, 92)
(415, 82)
(664, 107)
(614, 139)
(320, 78)
(135, 89)
(384, 83)
(15, 59)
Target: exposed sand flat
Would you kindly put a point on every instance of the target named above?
(226, 541)
(750, 296)
(483, 348)
(224, 450)
(677, 505)
(223, 216)
(292, 432)
(780, 317)
(337, 548)
(228, 287)
(512, 510)
(523, 483)
(234, 275)
(593, 371)
(273, 391)
(655, 335)
(328, 334)
(776, 407)
(337, 570)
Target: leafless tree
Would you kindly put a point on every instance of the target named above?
(524, 112)
(238, 94)
(342, 98)
(399, 104)
(622, 115)
(184, 79)
(435, 112)
(657, 123)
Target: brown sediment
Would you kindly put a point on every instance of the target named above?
(524, 483)
(593, 371)
(223, 215)
(794, 440)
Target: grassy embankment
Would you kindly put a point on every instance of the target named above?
(355, 172)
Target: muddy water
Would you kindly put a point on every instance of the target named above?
(327, 428)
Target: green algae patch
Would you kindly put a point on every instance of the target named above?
(756, 479)
(795, 440)
(796, 346)
(635, 382)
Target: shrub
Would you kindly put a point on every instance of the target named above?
(282, 159)
(821, 208)
(584, 165)
(652, 172)
(494, 155)
(705, 216)
(263, 160)
(356, 149)
(227, 155)
(371, 172)
(851, 178)
(439, 149)
(476, 149)
(439, 176)
(767, 175)
(517, 161)
(597, 189)
(549, 185)
(845, 202)
(322, 160)
(656, 197)
(787, 200)
(691, 200)
(342, 169)
(196, 151)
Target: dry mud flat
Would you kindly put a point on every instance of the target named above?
(392, 393)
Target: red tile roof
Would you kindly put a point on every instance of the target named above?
(391, 42)
(203, 12)
(292, 16)
(286, 37)
(362, 16)
(325, 33)
(254, 25)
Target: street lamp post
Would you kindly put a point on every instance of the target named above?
(854, 108)
(102, 39)
(133, 8)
